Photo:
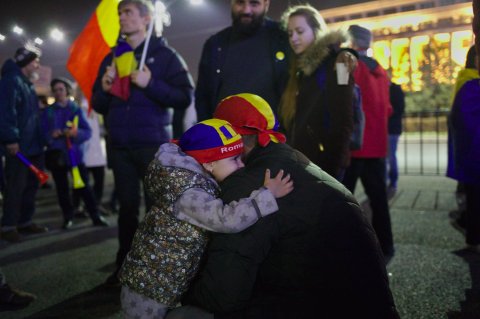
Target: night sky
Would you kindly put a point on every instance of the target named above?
(191, 25)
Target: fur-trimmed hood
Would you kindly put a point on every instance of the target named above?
(309, 61)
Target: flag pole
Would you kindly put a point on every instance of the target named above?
(147, 40)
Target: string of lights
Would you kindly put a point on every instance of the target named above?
(55, 33)
(19, 34)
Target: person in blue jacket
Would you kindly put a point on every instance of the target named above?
(139, 124)
(464, 156)
(20, 132)
(470, 72)
(64, 137)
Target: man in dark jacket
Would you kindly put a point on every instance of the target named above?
(397, 100)
(20, 132)
(249, 56)
(139, 124)
(317, 257)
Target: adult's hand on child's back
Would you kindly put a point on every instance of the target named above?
(279, 185)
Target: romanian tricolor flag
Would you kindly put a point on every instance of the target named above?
(93, 44)
(125, 63)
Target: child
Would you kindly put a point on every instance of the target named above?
(57, 159)
(169, 243)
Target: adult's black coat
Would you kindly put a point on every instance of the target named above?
(397, 99)
(212, 62)
(317, 257)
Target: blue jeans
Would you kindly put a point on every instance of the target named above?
(129, 168)
(392, 165)
(371, 172)
(20, 190)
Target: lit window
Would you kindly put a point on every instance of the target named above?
(401, 60)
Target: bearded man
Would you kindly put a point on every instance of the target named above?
(249, 56)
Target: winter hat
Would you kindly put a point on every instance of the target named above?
(361, 37)
(249, 114)
(211, 140)
(26, 54)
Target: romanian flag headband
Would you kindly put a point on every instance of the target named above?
(211, 140)
(250, 114)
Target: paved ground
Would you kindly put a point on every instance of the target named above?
(431, 276)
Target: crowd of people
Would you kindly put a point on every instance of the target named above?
(250, 213)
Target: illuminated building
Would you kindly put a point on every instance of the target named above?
(420, 42)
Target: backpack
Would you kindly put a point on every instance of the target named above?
(356, 140)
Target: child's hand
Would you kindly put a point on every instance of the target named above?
(71, 132)
(279, 186)
(57, 133)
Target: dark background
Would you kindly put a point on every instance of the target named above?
(191, 25)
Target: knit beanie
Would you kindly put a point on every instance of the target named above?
(211, 140)
(26, 54)
(250, 114)
(361, 37)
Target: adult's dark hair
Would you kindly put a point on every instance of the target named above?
(471, 55)
(144, 6)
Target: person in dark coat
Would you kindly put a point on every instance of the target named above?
(315, 109)
(397, 100)
(470, 72)
(251, 55)
(317, 258)
(464, 157)
(140, 123)
(20, 131)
